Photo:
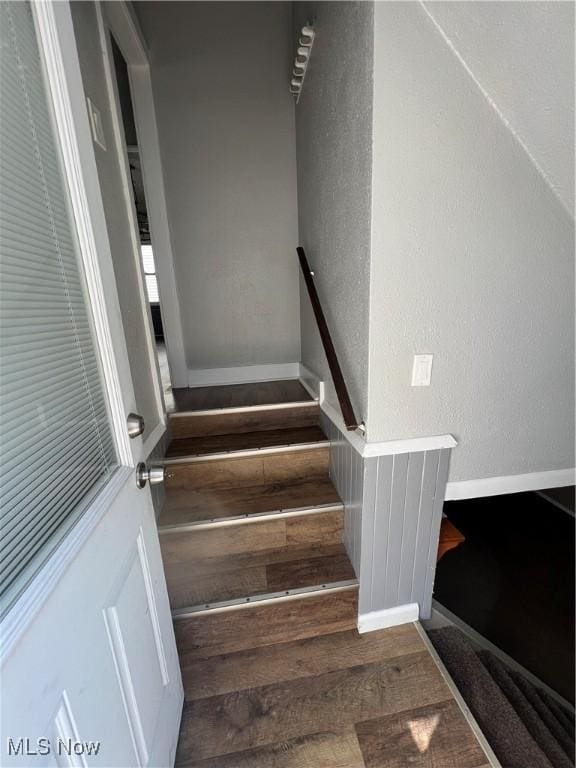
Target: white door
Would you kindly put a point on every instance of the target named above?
(89, 668)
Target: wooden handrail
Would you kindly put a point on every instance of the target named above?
(339, 384)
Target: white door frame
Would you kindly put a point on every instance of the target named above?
(119, 141)
(120, 19)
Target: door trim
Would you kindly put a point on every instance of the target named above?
(121, 21)
(119, 141)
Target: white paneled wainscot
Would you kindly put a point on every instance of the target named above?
(393, 495)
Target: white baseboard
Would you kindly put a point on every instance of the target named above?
(388, 617)
(494, 486)
(209, 377)
(311, 383)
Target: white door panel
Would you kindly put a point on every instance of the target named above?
(88, 659)
(99, 661)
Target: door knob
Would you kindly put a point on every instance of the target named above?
(135, 424)
(153, 474)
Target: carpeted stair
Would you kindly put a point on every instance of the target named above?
(525, 727)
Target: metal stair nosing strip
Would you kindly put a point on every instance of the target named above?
(263, 599)
(244, 409)
(249, 517)
(245, 453)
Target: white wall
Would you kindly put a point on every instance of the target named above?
(227, 140)
(472, 253)
(334, 142)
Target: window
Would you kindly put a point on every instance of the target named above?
(150, 274)
(56, 447)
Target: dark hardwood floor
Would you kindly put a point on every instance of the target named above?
(512, 580)
(239, 395)
(339, 700)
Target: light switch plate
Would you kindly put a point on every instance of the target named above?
(422, 370)
(96, 124)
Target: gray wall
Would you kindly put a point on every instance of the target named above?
(472, 260)
(334, 136)
(116, 211)
(227, 140)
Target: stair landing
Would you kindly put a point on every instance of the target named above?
(339, 700)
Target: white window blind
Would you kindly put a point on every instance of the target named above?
(56, 445)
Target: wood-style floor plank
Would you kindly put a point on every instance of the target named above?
(309, 572)
(189, 586)
(237, 472)
(336, 700)
(240, 395)
(187, 506)
(244, 441)
(318, 750)
(212, 588)
(269, 664)
(231, 563)
(225, 423)
(435, 736)
(194, 546)
(229, 631)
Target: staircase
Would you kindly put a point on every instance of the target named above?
(523, 724)
(251, 531)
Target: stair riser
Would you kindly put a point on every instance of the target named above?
(244, 471)
(204, 425)
(319, 528)
(217, 633)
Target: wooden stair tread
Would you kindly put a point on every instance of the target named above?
(241, 441)
(248, 574)
(242, 469)
(240, 395)
(255, 667)
(214, 634)
(188, 506)
(227, 421)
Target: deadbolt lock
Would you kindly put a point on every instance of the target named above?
(135, 424)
